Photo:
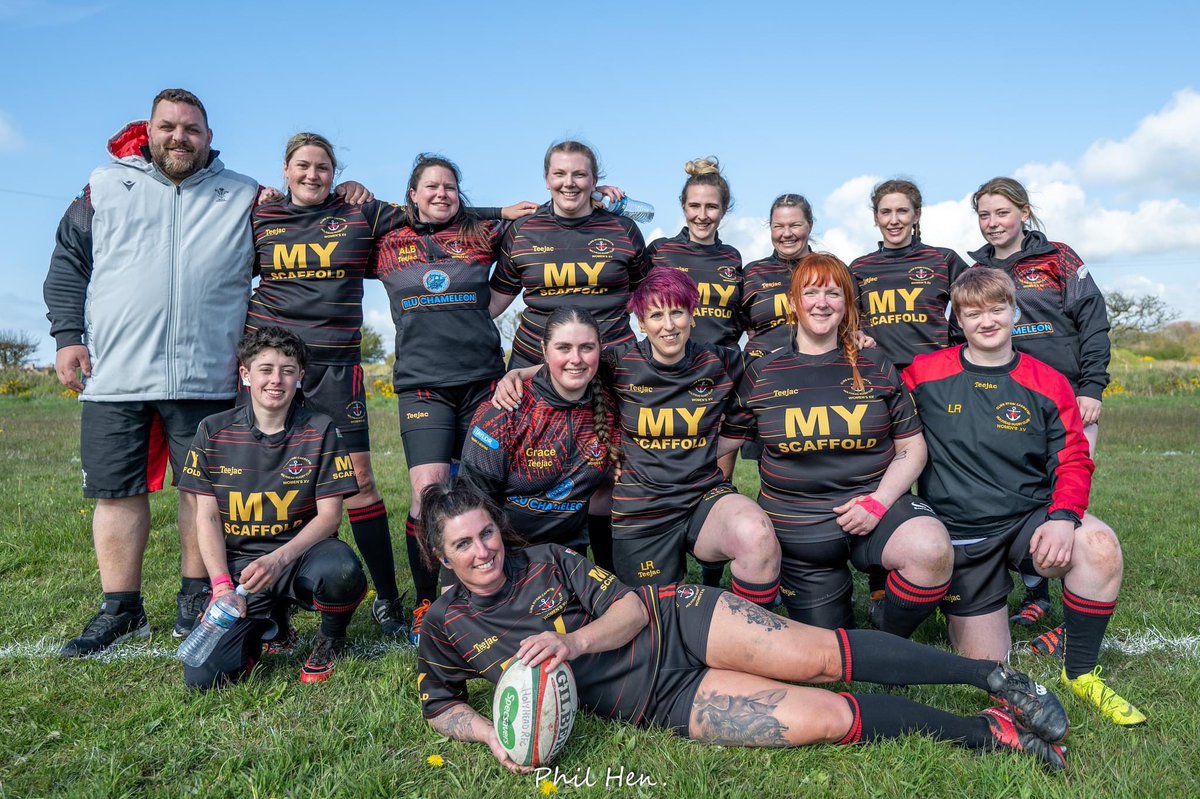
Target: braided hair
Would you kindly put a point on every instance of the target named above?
(603, 407)
(819, 269)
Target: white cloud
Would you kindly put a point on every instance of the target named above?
(1163, 151)
(10, 138)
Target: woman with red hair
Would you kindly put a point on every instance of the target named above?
(842, 445)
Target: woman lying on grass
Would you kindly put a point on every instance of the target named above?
(702, 662)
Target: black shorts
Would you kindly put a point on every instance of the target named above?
(124, 446)
(661, 557)
(981, 583)
(327, 577)
(684, 616)
(814, 579)
(434, 421)
(337, 391)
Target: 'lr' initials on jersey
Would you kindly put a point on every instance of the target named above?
(557, 276)
(797, 422)
(250, 507)
(661, 422)
(881, 302)
(295, 256)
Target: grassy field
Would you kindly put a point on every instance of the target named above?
(125, 726)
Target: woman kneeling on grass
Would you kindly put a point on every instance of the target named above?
(702, 662)
(270, 477)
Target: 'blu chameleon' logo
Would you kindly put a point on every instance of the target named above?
(436, 281)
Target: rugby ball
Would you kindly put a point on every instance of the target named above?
(533, 711)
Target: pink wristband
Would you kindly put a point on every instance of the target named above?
(873, 506)
(222, 580)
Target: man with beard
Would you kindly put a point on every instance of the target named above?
(147, 293)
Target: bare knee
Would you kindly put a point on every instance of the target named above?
(1097, 548)
(753, 538)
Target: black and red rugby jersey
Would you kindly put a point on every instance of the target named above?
(595, 262)
(311, 262)
(549, 588)
(903, 294)
(716, 269)
(1003, 441)
(1064, 322)
(267, 486)
(670, 421)
(825, 442)
(541, 462)
(766, 312)
(437, 280)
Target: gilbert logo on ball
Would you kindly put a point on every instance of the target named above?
(533, 711)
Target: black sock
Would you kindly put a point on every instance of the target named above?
(195, 585)
(129, 600)
(882, 716)
(711, 574)
(335, 625)
(907, 604)
(1039, 590)
(870, 656)
(1085, 621)
(373, 538)
(600, 540)
(764, 594)
(424, 580)
(876, 579)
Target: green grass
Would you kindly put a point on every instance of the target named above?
(127, 727)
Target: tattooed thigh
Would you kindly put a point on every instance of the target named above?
(752, 613)
(731, 719)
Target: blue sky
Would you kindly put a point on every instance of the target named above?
(1095, 105)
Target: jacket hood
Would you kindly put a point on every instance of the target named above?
(129, 140)
(1034, 243)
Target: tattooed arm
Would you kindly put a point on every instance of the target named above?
(461, 723)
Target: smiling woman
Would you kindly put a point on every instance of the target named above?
(569, 252)
(842, 447)
(313, 249)
(544, 457)
(703, 663)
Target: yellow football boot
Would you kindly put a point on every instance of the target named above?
(1090, 687)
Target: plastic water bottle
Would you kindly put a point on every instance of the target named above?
(216, 621)
(636, 210)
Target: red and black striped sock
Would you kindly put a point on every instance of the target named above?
(870, 656)
(907, 604)
(1085, 621)
(373, 538)
(882, 716)
(764, 594)
(424, 580)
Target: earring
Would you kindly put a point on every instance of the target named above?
(245, 381)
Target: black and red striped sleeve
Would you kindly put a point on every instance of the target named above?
(1069, 464)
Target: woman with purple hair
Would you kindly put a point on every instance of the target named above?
(671, 497)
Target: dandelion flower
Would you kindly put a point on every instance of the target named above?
(436, 761)
(547, 788)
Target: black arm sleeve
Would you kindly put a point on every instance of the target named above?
(65, 289)
(1095, 349)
